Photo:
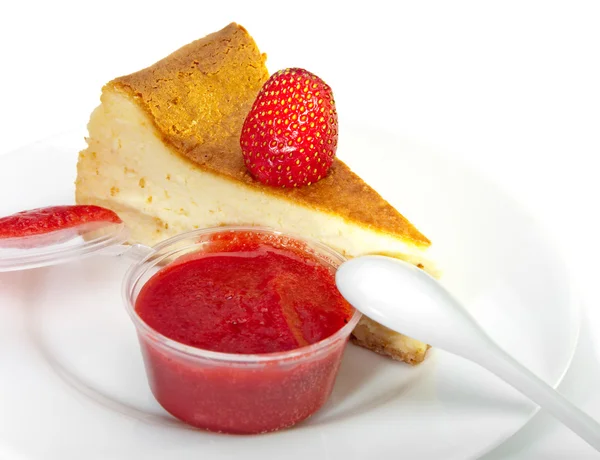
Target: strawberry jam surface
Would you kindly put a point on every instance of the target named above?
(263, 300)
(246, 294)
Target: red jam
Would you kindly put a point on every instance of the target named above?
(247, 294)
(44, 221)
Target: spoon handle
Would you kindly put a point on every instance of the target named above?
(515, 374)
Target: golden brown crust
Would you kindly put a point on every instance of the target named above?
(373, 343)
(198, 98)
(395, 353)
(199, 95)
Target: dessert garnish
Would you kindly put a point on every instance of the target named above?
(289, 138)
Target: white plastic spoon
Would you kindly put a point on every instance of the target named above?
(408, 300)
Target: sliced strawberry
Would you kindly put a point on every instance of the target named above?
(289, 138)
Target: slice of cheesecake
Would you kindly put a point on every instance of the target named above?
(163, 152)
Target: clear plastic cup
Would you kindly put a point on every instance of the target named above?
(234, 393)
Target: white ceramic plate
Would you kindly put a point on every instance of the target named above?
(72, 384)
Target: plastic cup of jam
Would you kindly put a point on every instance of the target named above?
(231, 392)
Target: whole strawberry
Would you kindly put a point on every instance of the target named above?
(289, 138)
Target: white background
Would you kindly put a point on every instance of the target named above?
(511, 88)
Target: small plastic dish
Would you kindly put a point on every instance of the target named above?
(60, 246)
(234, 393)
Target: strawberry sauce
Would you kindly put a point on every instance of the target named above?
(47, 220)
(252, 301)
(244, 296)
